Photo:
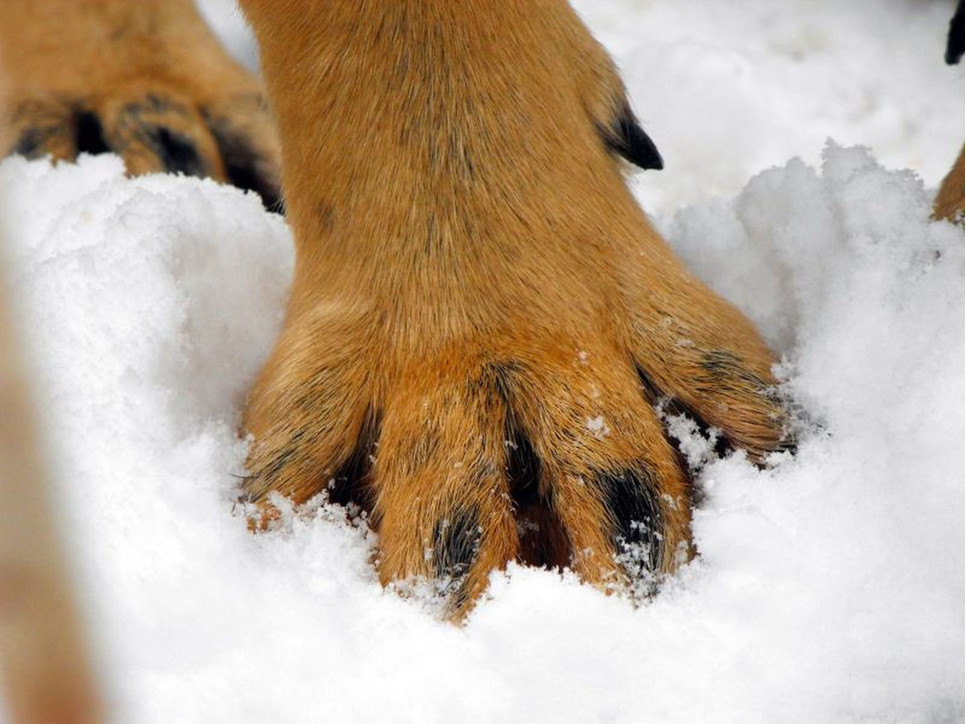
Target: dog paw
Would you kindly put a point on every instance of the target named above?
(482, 318)
(145, 81)
(538, 443)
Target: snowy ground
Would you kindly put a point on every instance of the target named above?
(830, 586)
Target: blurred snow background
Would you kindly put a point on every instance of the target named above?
(831, 585)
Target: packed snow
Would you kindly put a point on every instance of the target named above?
(830, 585)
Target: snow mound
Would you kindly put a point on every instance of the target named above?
(829, 587)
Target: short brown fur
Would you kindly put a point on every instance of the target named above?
(949, 204)
(133, 68)
(467, 252)
(473, 278)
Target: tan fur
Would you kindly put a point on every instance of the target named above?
(46, 673)
(481, 315)
(950, 201)
(469, 259)
(133, 66)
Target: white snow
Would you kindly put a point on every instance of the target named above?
(830, 586)
(598, 427)
(727, 89)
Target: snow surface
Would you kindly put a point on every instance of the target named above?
(830, 585)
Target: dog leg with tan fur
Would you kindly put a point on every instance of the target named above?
(950, 200)
(145, 79)
(480, 311)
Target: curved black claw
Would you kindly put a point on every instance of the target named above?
(954, 41)
(626, 137)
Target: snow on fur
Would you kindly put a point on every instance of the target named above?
(829, 586)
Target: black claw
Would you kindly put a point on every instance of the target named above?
(138, 122)
(245, 168)
(44, 125)
(631, 499)
(456, 543)
(177, 152)
(626, 137)
(954, 41)
(32, 142)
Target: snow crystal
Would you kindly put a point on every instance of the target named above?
(598, 426)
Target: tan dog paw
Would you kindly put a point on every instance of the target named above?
(481, 315)
(145, 80)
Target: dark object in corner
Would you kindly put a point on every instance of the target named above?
(954, 42)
